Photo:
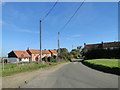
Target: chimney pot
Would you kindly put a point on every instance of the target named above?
(102, 42)
(84, 44)
(28, 48)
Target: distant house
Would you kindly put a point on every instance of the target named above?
(53, 52)
(106, 45)
(35, 54)
(21, 56)
(102, 50)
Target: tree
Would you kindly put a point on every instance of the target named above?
(64, 54)
(75, 53)
(79, 48)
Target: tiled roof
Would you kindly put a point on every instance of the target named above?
(91, 45)
(112, 43)
(53, 51)
(45, 52)
(35, 51)
(21, 53)
(104, 44)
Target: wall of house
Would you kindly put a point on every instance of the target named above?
(24, 60)
(37, 56)
(55, 54)
(46, 55)
(12, 54)
(34, 57)
(13, 60)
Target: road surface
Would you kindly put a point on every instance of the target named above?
(73, 75)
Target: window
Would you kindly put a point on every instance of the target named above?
(22, 55)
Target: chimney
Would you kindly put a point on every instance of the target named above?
(84, 44)
(28, 48)
(102, 42)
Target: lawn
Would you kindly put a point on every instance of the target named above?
(105, 62)
(105, 65)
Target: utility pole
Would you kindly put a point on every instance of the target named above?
(40, 40)
(58, 43)
(3, 64)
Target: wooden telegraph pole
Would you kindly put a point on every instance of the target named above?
(41, 40)
(58, 44)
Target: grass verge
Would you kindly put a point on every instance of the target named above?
(11, 69)
(105, 65)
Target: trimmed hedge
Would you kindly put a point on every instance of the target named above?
(102, 53)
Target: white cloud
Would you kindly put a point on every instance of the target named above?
(29, 31)
(16, 28)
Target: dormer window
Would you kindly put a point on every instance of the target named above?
(22, 55)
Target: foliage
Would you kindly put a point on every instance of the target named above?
(10, 69)
(64, 54)
(20, 68)
(75, 53)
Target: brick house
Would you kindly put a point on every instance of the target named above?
(31, 54)
(35, 54)
(22, 56)
(105, 45)
(53, 52)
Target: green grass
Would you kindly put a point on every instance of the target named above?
(105, 62)
(10, 69)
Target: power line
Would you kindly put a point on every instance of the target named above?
(50, 10)
(72, 16)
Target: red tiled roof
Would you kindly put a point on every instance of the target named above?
(112, 43)
(21, 53)
(35, 51)
(91, 45)
(45, 52)
(106, 43)
(53, 51)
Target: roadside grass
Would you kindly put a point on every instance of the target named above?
(105, 62)
(106, 65)
(11, 69)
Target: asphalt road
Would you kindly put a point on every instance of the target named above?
(73, 75)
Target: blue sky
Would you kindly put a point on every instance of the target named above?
(93, 23)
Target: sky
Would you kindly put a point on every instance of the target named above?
(93, 23)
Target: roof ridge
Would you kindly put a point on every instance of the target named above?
(19, 50)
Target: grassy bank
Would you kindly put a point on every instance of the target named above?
(105, 65)
(11, 69)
